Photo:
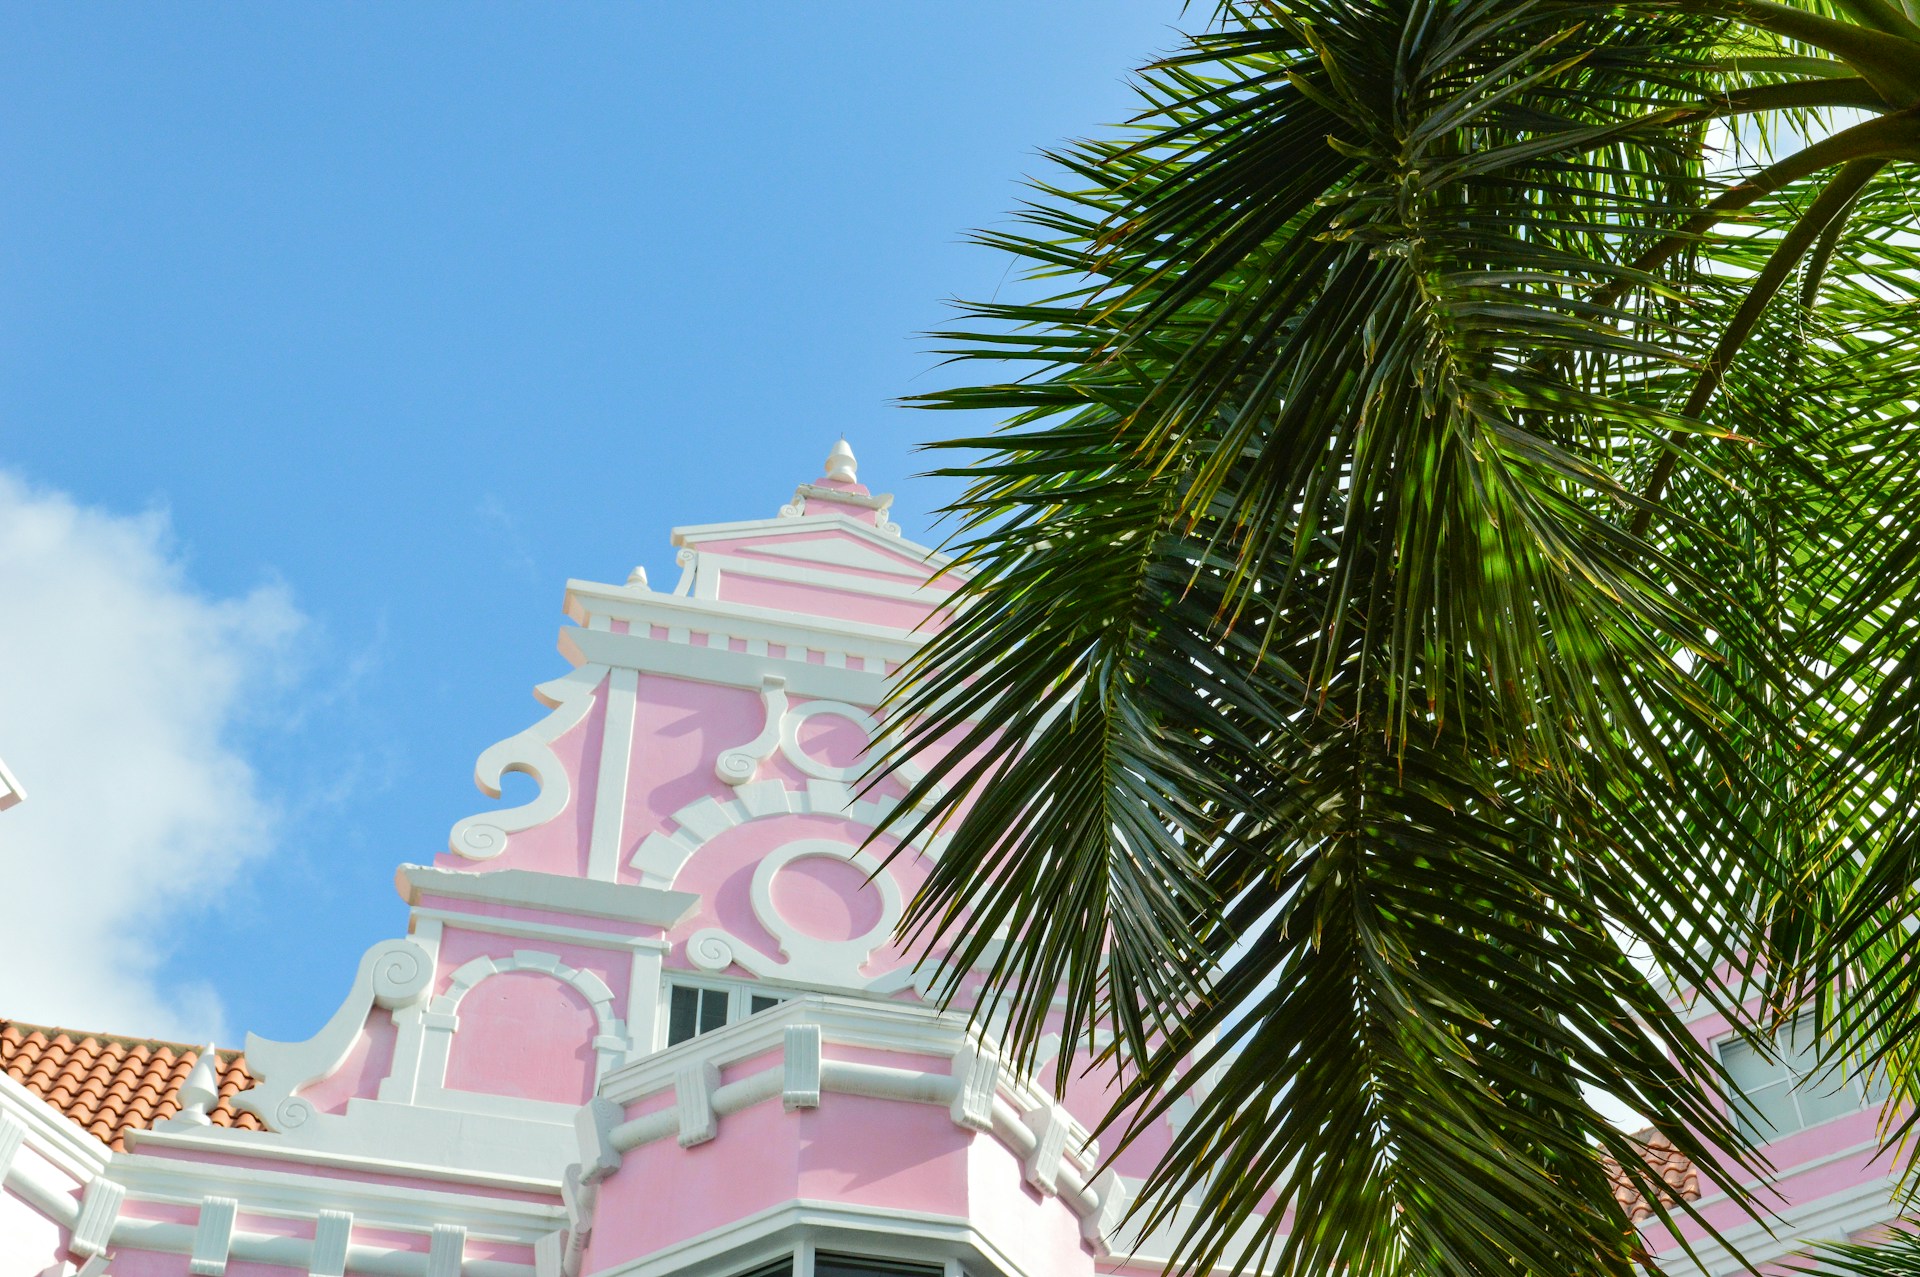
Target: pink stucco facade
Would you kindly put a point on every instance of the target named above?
(653, 1020)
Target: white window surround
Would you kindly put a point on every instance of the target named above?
(740, 996)
(1790, 1093)
(442, 1021)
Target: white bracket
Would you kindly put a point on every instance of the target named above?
(99, 1208)
(978, 1072)
(593, 1124)
(446, 1250)
(736, 766)
(800, 1074)
(693, 1088)
(330, 1234)
(213, 1237)
(1049, 1126)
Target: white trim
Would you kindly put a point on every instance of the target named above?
(1830, 1218)
(610, 789)
(808, 1224)
(587, 599)
(662, 855)
(298, 1193)
(393, 974)
(483, 835)
(678, 658)
(68, 1148)
(694, 535)
(713, 569)
(550, 931)
(557, 893)
(808, 959)
(610, 1042)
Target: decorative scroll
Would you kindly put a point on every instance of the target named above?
(484, 836)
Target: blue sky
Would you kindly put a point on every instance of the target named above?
(363, 327)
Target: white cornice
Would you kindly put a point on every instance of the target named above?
(729, 668)
(225, 1142)
(637, 605)
(177, 1181)
(557, 893)
(53, 1135)
(695, 534)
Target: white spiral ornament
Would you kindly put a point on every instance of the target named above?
(477, 839)
(710, 951)
(402, 970)
(292, 1114)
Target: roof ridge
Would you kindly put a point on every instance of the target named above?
(117, 1039)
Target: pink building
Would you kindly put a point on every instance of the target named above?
(650, 1022)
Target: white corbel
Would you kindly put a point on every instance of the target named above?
(99, 1208)
(213, 1237)
(800, 1071)
(736, 766)
(446, 1249)
(978, 1072)
(1049, 1124)
(331, 1232)
(693, 1088)
(593, 1124)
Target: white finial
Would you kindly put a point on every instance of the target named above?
(840, 463)
(201, 1091)
(637, 579)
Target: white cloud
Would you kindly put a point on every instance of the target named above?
(120, 687)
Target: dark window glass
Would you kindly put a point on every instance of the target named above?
(713, 1009)
(853, 1266)
(683, 1014)
(762, 1002)
(778, 1268)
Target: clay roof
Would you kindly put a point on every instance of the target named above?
(1667, 1162)
(111, 1085)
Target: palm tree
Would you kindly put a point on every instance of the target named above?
(1446, 558)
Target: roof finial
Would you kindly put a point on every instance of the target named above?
(840, 463)
(201, 1091)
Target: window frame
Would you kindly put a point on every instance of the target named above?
(1749, 1119)
(740, 995)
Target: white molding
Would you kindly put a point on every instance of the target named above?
(529, 752)
(677, 658)
(610, 1042)
(643, 611)
(662, 854)
(587, 937)
(694, 535)
(713, 569)
(297, 1192)
(558, 893)
(393, 974)
(1804, 1224)
(1056, 1153)
(151, 1177)
(834, 552)
(67, 1147)
(833, 1226)
(808, 960)
(610, 789)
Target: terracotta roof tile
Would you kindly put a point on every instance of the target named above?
(110, 1085)
(1673, 1168)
